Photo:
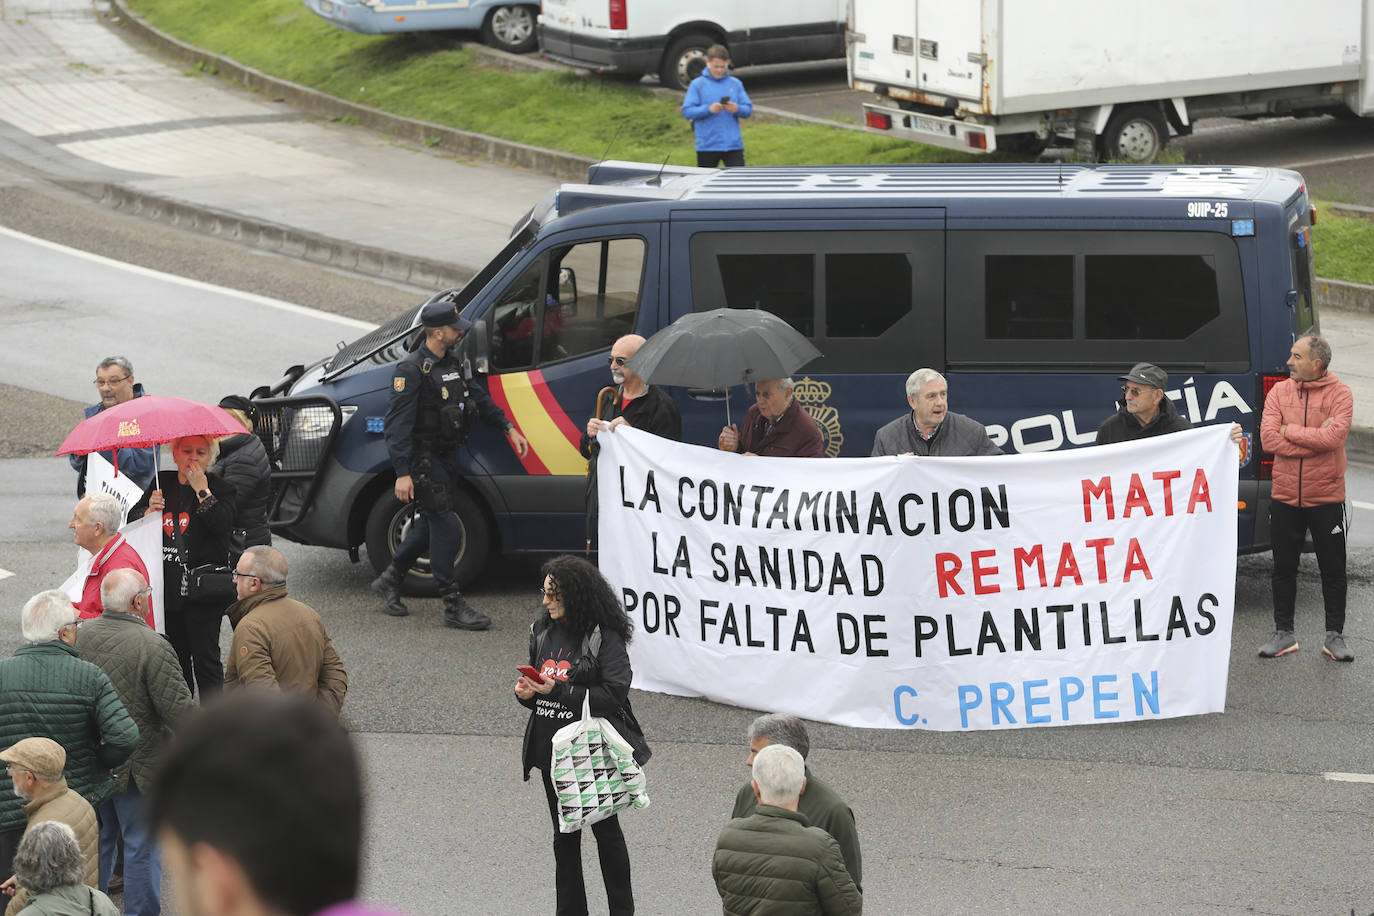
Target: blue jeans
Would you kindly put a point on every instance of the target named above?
(121, 816)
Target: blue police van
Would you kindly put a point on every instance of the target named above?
(1031, 287)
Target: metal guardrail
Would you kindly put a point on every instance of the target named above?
(299, 433)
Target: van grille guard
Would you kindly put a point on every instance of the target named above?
(298, 433)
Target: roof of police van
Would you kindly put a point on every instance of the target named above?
(626, 182)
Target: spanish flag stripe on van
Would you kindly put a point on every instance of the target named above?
(553, 438)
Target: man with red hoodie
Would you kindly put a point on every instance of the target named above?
(1306, 420)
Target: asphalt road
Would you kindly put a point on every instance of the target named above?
(1220, 814)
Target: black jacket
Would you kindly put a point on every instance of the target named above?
(606, 677)
(1122, 427)
(654, 412)
(206, 538)
(243, 463)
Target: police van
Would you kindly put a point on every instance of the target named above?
(1031, 287)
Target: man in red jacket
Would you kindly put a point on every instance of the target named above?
(1306, 420)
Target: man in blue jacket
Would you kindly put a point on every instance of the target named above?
(714, 104)
(114, 380)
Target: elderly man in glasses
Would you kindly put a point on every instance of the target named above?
(636, 404)
(114, 382)
(278, 641)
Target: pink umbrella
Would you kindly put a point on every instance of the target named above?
(146, 421)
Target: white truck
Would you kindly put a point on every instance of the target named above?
(977, 75)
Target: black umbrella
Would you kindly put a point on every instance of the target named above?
(722, 348)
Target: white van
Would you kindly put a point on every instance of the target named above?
(634, 37)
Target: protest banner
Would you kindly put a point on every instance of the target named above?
(1084, 586)
(101, 478)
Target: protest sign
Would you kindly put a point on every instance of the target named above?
(1084, 586)
(101, 478)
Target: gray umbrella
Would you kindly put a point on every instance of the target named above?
(722, 348)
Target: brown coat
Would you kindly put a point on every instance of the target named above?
(280, 642)
(66, 806)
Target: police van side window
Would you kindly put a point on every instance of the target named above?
(572, 300)
(1049, 299)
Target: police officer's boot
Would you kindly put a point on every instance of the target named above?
(388, 585)
(459, 615)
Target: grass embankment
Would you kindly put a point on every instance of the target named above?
(1343, 247)
(426, 76)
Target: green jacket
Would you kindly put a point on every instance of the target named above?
(145, 672)
(771, 862)
(822, 808)
(47, 692)
(70, 900)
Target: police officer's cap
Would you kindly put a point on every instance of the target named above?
(443, 314)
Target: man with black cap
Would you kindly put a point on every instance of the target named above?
(434, 405)
(1145, 411)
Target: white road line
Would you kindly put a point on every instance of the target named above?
(278, 304)
(1332, 161)
(5, 573)
(1361, 505)
(1349, 777)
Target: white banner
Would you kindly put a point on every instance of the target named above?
(1062, 588)
(144, 535)
(101, 478)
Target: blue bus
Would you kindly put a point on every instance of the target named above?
(1030, 287)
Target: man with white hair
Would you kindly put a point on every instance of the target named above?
(147, 676)
(775, 425)
(772, 860)
(95, 528)
(932, 429)
(114, 381)
(47, 691)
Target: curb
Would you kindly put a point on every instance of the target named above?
(479, 146)
(1338, 294)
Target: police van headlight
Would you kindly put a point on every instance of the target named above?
(314, 422)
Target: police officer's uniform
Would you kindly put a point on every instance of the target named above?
(434, 406)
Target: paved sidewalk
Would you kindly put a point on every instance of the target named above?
(81, 106)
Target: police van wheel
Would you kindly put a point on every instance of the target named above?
(389, 521)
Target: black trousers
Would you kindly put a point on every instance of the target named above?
(709, 158)
(567, 863)
(193, 629)
(1287, 526)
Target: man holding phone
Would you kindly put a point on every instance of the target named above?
(714, 103)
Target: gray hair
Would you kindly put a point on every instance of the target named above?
(780, 775)
(120, 361)
(213, 442)
(45, 614)
(267, 563)
(106, 511)
(1318, 348)
(920, 378)
(780, 728)
(48, 857)
(118, 588)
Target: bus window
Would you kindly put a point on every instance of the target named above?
(1028, 296)
(1149, 296)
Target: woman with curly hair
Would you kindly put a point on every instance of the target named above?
(49, 867)
(578, 646)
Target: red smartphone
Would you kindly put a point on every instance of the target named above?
(531, 673)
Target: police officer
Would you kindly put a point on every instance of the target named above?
(433, 408)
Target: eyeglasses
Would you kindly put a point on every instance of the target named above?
(235, 574)
(110, 382)
(617, 360)
(550, 592)
(1134, 391)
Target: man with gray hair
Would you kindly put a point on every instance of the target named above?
(114, 381)
(772, 861)
(47, 691)
(95, 528)
(278, 641)
(932, 429)
(147, 676)
(35, 766)
(775, 424)
(49, 864)
(822, 805)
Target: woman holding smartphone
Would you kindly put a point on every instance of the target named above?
(577, 647)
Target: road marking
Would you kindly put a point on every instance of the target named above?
(5, 573)
(1361, 505)
(1349, 777)
(278, 304)
(1332, 161)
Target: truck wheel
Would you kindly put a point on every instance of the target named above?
(685, 60)
(390, 520)
(1135, 133)
(511, 28)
